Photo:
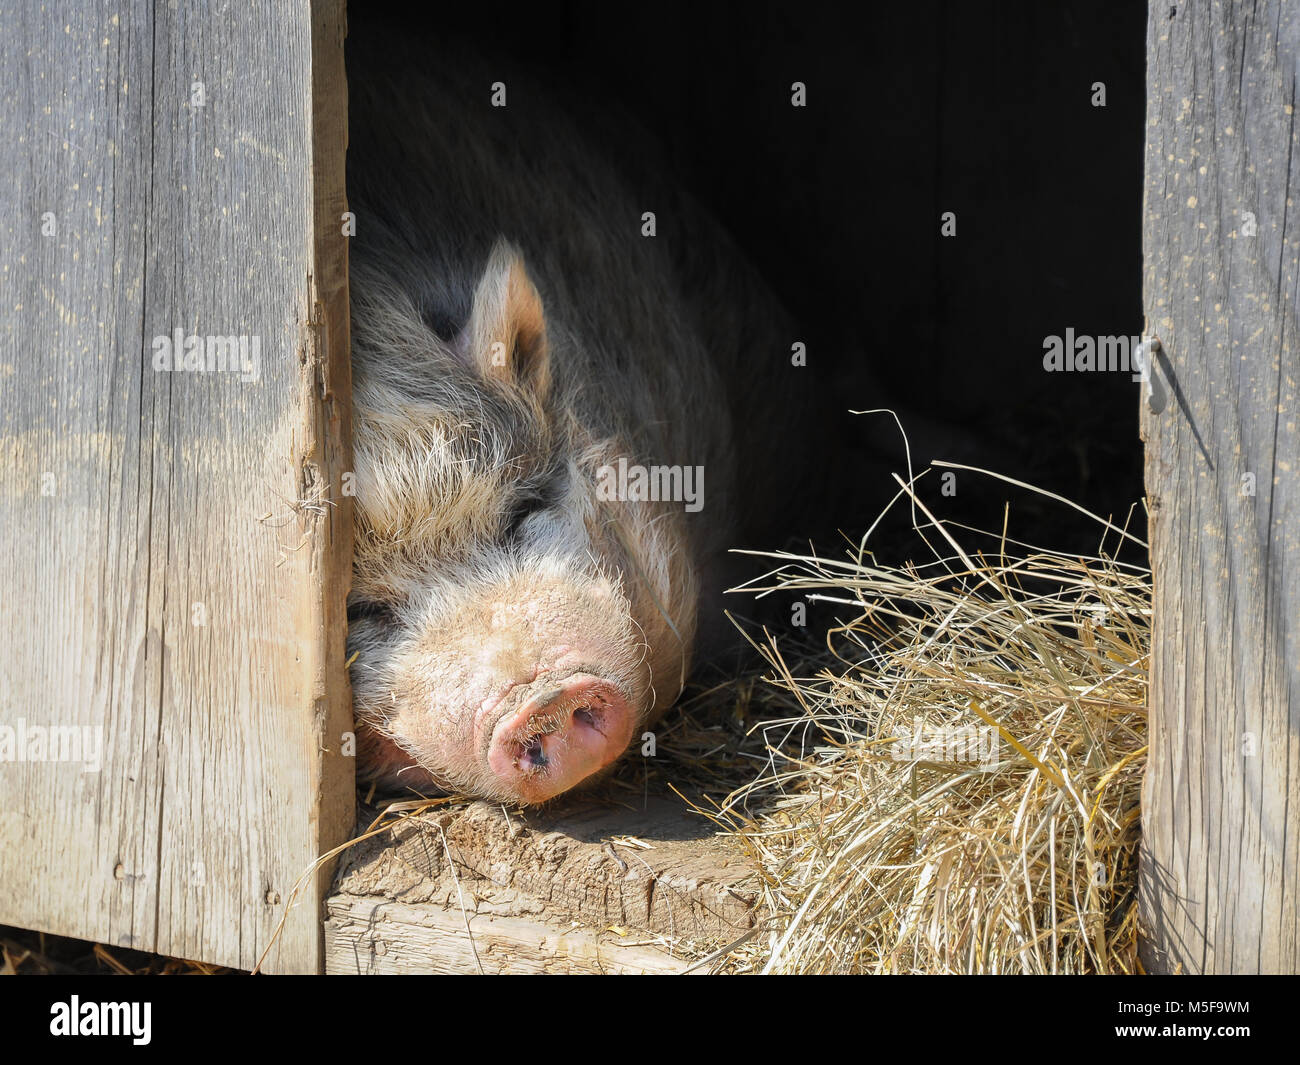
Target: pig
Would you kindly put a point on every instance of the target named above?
(536, 364)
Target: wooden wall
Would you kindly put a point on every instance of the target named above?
(1221, 853)
(176, 550)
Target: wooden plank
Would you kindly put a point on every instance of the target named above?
(180, 586)
(1221, 819)
(324, 456)
(540, 890)
(368, 937)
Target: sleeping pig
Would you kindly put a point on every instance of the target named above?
(552, 348)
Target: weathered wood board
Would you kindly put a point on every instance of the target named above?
(176, 551)
(1220, 871)
(565, 889)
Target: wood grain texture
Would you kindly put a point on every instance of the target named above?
(325, 449)
(1221, 819)
(369, 937)
(180, 586)
(533, 878)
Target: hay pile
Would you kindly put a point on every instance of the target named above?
(958, 787)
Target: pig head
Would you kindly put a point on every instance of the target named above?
(513, 630)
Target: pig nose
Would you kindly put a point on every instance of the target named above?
(562, 734)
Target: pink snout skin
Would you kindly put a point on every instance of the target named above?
(563, 733)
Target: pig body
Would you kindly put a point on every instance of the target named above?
(529, 365)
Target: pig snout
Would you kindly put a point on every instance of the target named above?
(514, 685)
(560, 732)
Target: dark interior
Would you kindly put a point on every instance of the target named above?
(982, 109)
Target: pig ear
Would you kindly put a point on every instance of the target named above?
(505, 339)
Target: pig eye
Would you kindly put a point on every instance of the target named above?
(524, 507)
